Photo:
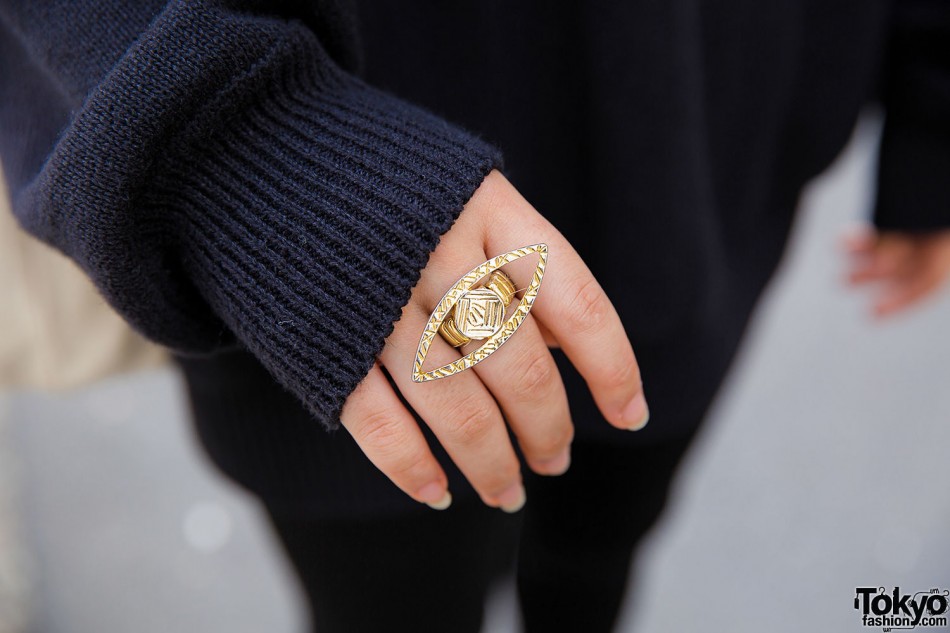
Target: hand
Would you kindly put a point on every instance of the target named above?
(907, 267)
(520, 379)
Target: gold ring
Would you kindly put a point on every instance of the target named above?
(480, 312)
(468, 313)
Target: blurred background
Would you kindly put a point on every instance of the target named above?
(823, 467)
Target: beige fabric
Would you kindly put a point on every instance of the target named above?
(56, 331)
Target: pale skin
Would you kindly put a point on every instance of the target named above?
(901, 268)
(519, 383)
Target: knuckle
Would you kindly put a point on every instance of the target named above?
(535, 379)
(406, 467)
(383, 432)
(554, 441)
(622, 375)
(469, 420)
(589, 308)
(389, 445)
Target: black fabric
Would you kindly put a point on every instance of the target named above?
(570, 548)
(668, 141)
(582, 529)
(425, 571)
(913, 191)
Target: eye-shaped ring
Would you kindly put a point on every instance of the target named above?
(459, 290)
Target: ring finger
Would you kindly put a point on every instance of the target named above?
(461, 412)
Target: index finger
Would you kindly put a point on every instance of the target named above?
(577, 311)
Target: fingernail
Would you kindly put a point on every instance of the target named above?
(636, 414)
(557, 465)
(513, 499)
(434, 496)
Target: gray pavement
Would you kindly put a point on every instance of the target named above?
(823, 467)
(127, 526)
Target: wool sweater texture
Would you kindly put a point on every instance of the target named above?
(256, 186)
(223, 180)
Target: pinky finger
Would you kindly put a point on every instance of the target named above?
(388, 435)
(904, 295)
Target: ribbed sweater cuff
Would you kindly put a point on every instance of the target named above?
(306, 216)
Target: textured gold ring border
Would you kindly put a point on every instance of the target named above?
(455, 293)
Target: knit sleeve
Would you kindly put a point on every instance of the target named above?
(225, 182)
(914, 164)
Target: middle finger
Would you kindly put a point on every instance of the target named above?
(524, 379)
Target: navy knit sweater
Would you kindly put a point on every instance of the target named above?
(221, 176)
(238, 194)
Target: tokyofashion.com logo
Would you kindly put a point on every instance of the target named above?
(895, 610)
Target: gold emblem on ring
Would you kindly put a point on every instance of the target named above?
(477, 315)
(480, 312)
